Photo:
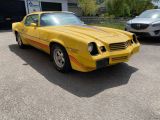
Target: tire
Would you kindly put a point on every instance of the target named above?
(60, 58)
(19, 41)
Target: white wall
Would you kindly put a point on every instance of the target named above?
(63, 2)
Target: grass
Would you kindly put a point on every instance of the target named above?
(111, 25)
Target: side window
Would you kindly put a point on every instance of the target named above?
(47, 20)
(31, 19)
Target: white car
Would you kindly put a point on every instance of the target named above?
(146, 24)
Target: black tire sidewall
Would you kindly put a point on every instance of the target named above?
(22, 45)
(67, 66)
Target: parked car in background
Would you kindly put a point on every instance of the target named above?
(146, 24)
(72, 44)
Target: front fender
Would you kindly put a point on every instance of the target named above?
(77, 51)
(57, 41)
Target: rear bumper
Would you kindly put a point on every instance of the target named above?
(104, 60)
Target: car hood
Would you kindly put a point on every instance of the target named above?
(91, 33)
(143, 20)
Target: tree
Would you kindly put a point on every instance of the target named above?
(128, 7)
(88, 7)
(118, 7)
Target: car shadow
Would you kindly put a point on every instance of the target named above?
(150, 41)
(77, 83)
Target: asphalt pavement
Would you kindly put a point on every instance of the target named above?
(31, 89)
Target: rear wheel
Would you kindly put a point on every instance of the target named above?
(60, 58)
(19, 41)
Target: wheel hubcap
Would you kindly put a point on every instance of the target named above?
(59, 58)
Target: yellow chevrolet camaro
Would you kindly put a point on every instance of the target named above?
(72, 44)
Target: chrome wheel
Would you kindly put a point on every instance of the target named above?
(59, 57)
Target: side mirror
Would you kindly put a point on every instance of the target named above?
(33, 25)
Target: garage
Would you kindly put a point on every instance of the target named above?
(48, 6)
(11, 11)
(14, 10)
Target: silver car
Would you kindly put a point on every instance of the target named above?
(146, 24)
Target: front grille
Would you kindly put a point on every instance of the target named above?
(119, 46)
(139, 26)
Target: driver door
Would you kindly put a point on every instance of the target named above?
(30, 33)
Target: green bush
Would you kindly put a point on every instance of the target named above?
(126, 8)
(88, 7)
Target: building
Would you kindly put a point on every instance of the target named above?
(73, 7)
(14, 10)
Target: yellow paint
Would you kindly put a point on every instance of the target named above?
(75, 40)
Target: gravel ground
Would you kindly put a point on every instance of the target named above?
(31, 89)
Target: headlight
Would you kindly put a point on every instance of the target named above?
(92, 48)
(156, 24)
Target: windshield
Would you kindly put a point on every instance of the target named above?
(154, 14)
(58, 19)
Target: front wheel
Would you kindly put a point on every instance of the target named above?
(19, 41)
(60, 58)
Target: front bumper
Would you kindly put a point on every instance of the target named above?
(148, 32)
(104, 60)
(121, 56)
